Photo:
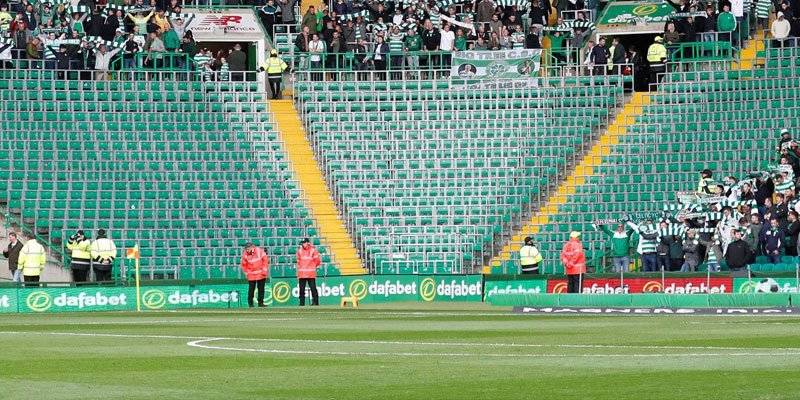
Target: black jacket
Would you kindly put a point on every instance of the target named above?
(738, 254)
(619, 54)
(12, 254)
(599, 55)
(792, 230)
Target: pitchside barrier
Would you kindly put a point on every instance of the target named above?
(641, 290)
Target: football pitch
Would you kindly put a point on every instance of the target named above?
(405, 351)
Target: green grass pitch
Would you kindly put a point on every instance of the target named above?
(407, 351)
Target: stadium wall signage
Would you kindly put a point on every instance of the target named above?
(765, 285)
(71, 299)
(655, 311)
(499, 289)
(382, 289)
(647, 285)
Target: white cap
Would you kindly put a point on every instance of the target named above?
(780, 14)
(784, 130)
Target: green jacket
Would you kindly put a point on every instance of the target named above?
(620, 245)
(413, 43)
(726, 22)
(171, 40)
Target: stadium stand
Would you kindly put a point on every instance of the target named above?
(430, 176)
(188, 170)
(739, 113)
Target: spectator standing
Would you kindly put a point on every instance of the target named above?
(12, 254)
(691, 252)
(287, 12)
(739, 253)
(484, 11)
(707, 25)
(726, 25)
(599, 57)
(102, 58)
(675, 252)
(618, 55)
(237, 61)
(780, 30)
(772, 241)
(103, 252)
(255, 265)
(671, 35)
(412, 44)
(529, 257)
(648, 236)
(31, 261)
(308, 260)
(792, 231)
(620, 243)
(310, 20)
(574, 260)
(81, 256)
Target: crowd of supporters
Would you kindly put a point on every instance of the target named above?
(388, 34)
(734, 219)
(103, 37)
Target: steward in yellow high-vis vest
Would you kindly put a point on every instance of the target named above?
(274, 67)
(81, 248)
(529, 257)
(31, 262)
(103, 252)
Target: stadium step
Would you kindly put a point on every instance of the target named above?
(585, 168)
(749, 56)
(317, 194)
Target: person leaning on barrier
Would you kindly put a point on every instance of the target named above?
(12, 254)
(31, 261)
(274, 67)
(308, 259)
(255, 265)
(81, 256)
(103, 252)
(529, 257)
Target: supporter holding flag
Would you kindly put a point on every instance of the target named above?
(648, 236)
(574, 260)
(620, 244)
(255, 264)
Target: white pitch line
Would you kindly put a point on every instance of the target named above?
(786, 350)
(158, 321)
(202, 344)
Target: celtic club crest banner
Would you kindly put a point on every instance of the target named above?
(504, 64)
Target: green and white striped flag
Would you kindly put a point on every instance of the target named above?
(492, 65)
(521, 4)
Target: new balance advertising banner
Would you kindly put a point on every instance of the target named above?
(382, 289)
(647, 285)
(496, 291)
(504, 64)
(765, 285)
(69, 299)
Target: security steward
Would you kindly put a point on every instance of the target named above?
(255, 265)
(81, 248)
(103, 252)
(31, 261)
(274, 66)
(657, 58)
(308, 259)
(529, 257)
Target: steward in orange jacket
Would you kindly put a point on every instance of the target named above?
(574, 261)
(308, 259)
(255, 265)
